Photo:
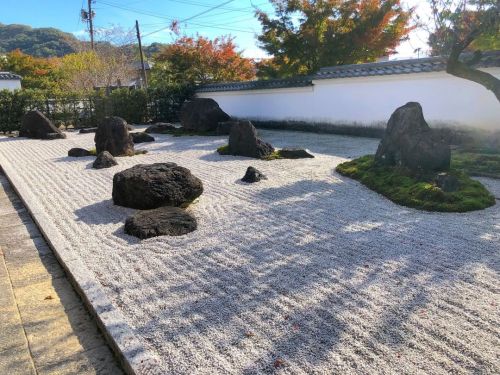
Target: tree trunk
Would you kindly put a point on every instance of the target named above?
(465, 69)
(462, 70)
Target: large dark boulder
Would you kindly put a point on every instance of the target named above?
(202, 115)
(409, 142)
(112, 135)
(163, 221)
(148, 186)
(78, 152)
(35, 125)
(253, 175)
(104, 160)
(141, 137)
(243, 141)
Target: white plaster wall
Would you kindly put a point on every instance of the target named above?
(446, 100)
(10, 84)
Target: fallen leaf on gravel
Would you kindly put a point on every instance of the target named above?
(49, 297)
(249, 334)
(279, 363)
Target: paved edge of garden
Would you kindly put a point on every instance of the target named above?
(132, 355)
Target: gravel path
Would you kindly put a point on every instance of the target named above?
(307, 272)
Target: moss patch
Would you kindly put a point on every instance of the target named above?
(479, 163)
(93, 151)
(400, 187)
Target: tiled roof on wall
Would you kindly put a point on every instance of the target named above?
(9, 76)
(257, 85)
(429, 64)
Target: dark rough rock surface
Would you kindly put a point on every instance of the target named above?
(202, 115)
(148, 186)
(295, 153)
(87, 130)
(104, 160)
(35, 125)
(160, 128)
(224, 128)
(447, 182)
(410, 142)
(141, 137)
(163, 221)
(78, 152)
(112, 135)
(253, 175)
(243, 141)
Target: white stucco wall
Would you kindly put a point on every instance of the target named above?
(10, 84)
(446, 100)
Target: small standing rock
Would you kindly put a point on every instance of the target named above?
(243, 141)
(253, 175)
(112, 135)
(78, 152)
(295, 153)
(163, 221)
(104, 160)
(447, 182)
(141, 137)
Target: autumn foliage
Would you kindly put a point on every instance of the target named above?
(305, 35)
(201, 60)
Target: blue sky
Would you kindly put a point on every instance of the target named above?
(231, 17)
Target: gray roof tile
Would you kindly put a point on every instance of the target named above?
(430, 64)
(9, 76)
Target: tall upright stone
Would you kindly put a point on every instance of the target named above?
(409, 142)
(243, 141)
(112, 135)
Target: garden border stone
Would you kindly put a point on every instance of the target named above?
(129, 350)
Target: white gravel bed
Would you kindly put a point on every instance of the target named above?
(307, 272)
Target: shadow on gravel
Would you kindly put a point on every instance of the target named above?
(103, 212)
(327, 279)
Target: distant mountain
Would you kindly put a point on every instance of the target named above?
(42, 42)
(47, 42)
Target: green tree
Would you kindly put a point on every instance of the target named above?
(466, 25)
(308, 34)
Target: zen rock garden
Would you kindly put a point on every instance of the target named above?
(411, 166)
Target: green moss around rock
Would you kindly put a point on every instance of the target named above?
(479, 163)
(401, 187)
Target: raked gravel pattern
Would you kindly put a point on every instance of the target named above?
(308, 272)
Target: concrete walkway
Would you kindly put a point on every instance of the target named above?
(44, 326)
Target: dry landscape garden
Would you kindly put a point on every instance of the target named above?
(300, 269)
(202, 241)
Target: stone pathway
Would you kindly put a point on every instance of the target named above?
(44, 326)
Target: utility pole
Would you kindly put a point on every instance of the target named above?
(91, 24)
(144, 77)
(88, 16)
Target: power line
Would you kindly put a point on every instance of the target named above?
(151, 14)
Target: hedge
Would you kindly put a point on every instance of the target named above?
(86, 110)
